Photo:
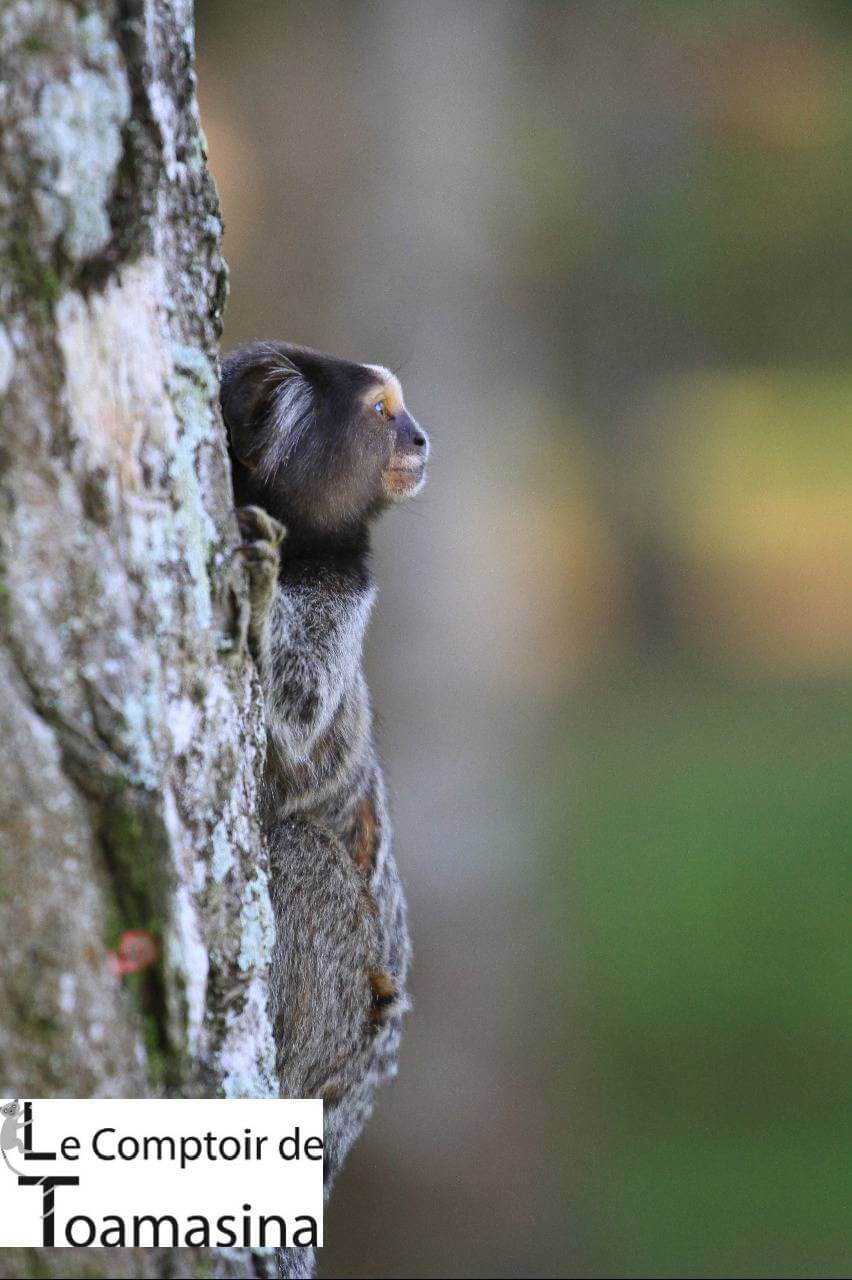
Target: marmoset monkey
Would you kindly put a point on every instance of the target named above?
(320, 447)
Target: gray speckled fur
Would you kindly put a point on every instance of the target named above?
(338, 924)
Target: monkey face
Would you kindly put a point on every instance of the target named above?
(404, 472)
(321, 443)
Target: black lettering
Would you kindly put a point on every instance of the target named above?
(281, 1242)
(221, 1225)
(156, 1145)
(156, 1224)
(90, 1231)
(113, 1236)
(29, 1151)
(47, 1201)
(190, 1149)
(293, 1140)
(96, 1148)
(199, 1235)
(306, 1235)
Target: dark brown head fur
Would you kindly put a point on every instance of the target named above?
(320, 443)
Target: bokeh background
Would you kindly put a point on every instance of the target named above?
(609, 248)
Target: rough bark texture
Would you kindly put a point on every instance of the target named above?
(131, 724)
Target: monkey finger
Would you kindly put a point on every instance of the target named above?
(258, 552)
(256, 523)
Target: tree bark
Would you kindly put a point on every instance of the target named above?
(131, 719)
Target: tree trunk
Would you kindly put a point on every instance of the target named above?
(131, 718)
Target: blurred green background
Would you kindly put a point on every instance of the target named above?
(609, 247)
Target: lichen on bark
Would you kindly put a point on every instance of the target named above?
(132, 722)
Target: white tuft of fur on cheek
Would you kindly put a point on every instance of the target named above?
(292, 414)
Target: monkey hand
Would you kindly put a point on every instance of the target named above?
(260, 551)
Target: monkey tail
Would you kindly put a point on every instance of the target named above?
(17, 1172)
(10, 1166)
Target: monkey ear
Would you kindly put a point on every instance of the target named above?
(267, 402)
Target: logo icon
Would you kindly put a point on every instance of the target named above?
(16, 1135)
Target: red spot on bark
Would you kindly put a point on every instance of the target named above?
(136, 950)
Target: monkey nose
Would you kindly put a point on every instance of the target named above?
(413, 438)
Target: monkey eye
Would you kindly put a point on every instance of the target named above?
(381, 408)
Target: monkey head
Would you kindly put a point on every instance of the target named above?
(323, 444)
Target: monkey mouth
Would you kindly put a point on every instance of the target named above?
(404, 480)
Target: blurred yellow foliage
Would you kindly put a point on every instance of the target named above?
(755, 493)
